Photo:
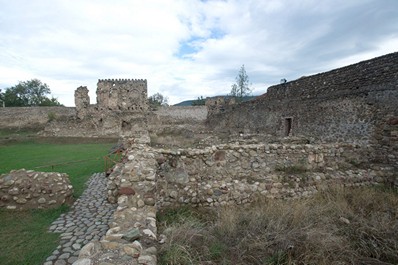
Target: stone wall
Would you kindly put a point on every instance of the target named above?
(386, 144)
(82, 102)
(149, 179)
(236, 174)
(132, 237)
(120, 111)
(113, 124)
(342, 105)
(122, 94)
(17, 118)
(177, 113)
(27, 189)
(218, 105)
(176, 124)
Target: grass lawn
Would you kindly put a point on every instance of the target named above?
(24, 236)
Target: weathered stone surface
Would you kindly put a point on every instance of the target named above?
(26, 189)
(132, 234)
(84, 261)
(126, 191)
(147, 260)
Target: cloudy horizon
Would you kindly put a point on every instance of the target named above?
(187, 49)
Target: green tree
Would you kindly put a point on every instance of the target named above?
(2, 103)
(29, 93)
(241, 88)
(199, 102)
(157, 100)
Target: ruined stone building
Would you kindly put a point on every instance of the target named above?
(354, 104)
(348, 118)
(120, 110)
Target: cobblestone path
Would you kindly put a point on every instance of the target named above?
(87, 220)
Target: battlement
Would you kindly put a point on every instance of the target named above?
(122, 94)
(122, 80)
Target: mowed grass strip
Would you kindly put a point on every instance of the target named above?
(79, 161)
(24, 236)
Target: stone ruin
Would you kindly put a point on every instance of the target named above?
(299, 137)
(120, 110)
(82, 102)
(114, 95)
(338, 127)
(218, 105)
(28, 189)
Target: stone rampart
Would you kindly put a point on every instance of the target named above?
(17, 118)
(343, 105)
(27, 189)
(176, 113)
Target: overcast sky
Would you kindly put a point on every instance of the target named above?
(188, 48)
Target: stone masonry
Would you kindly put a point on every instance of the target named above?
(241, 173)
(82, 102)
(132, 236)
(28, 189)
(348, 104)
(122, 94)
(120, 110)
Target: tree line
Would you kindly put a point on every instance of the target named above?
(28, 94)
(35, 93)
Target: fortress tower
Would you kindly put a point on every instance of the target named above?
(122, 94)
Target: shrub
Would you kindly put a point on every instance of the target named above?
(51, 116)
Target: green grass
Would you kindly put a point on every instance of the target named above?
(23, 234)
(79, 161)
(17, 134)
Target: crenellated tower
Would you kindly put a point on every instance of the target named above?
(122, 94)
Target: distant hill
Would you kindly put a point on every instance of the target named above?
(189, 102)
(185, 103)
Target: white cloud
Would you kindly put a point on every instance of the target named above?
(189, 48)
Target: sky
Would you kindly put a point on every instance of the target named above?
(187, 48)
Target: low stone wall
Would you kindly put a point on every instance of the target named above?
(149, 179)
(235, 174)
(132, 237)
(27, 189)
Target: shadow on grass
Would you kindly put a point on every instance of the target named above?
(24, 235)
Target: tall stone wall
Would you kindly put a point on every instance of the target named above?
(342, 105)
(182, 113)
(353, 104)
(17, 118)
(217, 105)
